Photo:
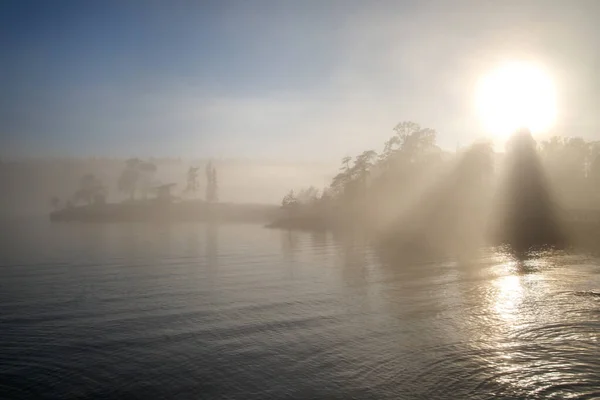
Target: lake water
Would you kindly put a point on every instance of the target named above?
(241, 312)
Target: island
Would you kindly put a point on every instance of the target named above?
(150, 200)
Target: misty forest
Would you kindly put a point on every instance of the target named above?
(414, 186)
(412, 189)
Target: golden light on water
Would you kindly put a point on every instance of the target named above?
(509, 295)
(516, 95)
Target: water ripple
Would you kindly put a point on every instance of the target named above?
(241, 313)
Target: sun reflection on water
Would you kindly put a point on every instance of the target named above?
(508, 287)
(515, 288)
(509, 295)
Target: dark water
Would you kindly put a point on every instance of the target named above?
(240, 312)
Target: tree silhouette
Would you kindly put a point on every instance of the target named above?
(192, 184)
(339, 182)
(308, 196)
(215, 196)
(569, 164)
(211, 183)
(137, 176)
(361, 171)
(91, 190)
(346, 164)
(412, 175)
(363, 164)
(389, 148)
(128, 181)
(146, 181)
(289, 202)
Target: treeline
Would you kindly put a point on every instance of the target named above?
(29, 184)
(412, 174)
(137, 182)
(572, 166)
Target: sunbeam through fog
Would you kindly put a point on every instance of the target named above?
(300, 200)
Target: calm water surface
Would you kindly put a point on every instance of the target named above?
(241, 312)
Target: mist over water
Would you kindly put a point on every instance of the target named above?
(238, 311)
(239, 201)
(30, 184)
(438, 273)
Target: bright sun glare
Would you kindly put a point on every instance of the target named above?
(516, 95)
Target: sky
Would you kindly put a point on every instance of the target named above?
(289, 80)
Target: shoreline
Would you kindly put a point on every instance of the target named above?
(153, 211)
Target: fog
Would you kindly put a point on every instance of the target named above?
(413, 196)
(30, 184)
(262, 199)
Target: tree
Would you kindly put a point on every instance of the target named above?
(192, 184)
(408, 145)
(567, 156)
(137, 176)
(215, 185)
(147, 181)
(346, 164)
(308, 196)
(91, 190)
(389, 147)
(363, 164)
(414, 140)
(340, 181)
(211, 185)
(362, 169)
(289, 201)
(569, 163)
(128, 181)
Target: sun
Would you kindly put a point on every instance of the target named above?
(514, 96)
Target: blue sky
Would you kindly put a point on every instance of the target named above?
(276, 79)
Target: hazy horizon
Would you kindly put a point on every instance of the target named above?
(30, 183)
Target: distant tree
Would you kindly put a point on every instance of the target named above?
(361, 171)
(415, 140)
(340, 181)
(138, 176)
(147, 181)
(389, 148)
(129, 178)
(192, 184)
(211, 183)
(364, 163)
(308, 196)
(215, 185)
(569, 165)
(346, 164)
(569, 157)
(289, 201)
(90, 190)
(410, 144)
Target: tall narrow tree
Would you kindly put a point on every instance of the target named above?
(192, 184)
(211, 183)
